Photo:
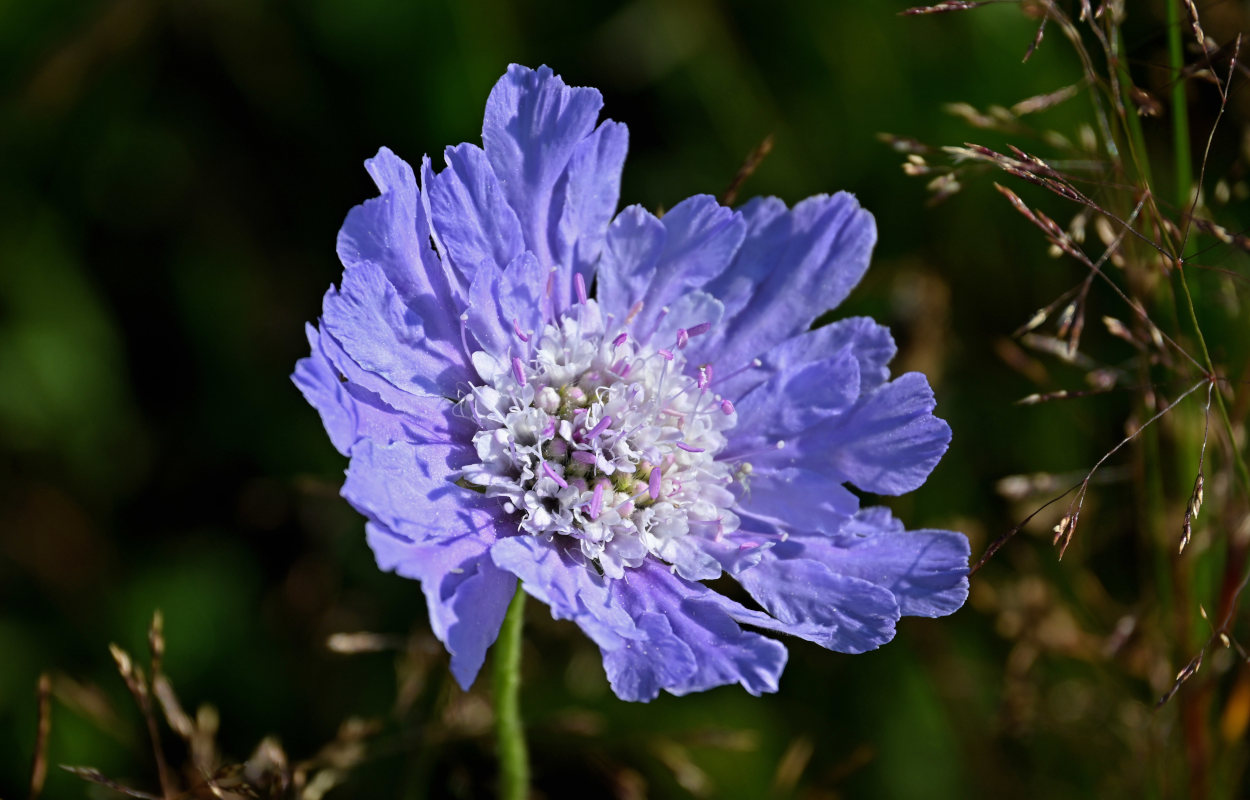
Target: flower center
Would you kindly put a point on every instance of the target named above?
(603, 439)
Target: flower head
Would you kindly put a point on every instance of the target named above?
(614, 408)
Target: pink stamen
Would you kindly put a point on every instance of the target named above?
(668, 354)
(704, 379)
(600, 428)
(700, 329)
(653, 485)
(579, 283)
(551, 473)
(584, 456)
(683, 338)
(620, 339)
(596, 502)
(520, 334)
(727, 407)
(689, 448)
(518, 370)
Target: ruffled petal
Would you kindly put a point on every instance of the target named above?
(724, 653)
(385, 336)
(640, 668)
(467, 595)
(533, 125)
(408, 488)
(390, 234)
(503, 301)
(810, 600)
(794, 498)
(869, 342)
(631, 252)
(890, 442)
(552, 574)
(793, 266)
(471, 215)
(925, 570)
(779, 411)
(887, 442)
(587, 195)
(319, 382)
(699, 238)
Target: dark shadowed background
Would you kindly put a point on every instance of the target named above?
(172, 178)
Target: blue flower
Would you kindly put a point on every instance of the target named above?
(616, 407)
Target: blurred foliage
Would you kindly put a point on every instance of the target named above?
(173, 175)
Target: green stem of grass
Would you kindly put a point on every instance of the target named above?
(1184, 190)
(514, 766)
(1180, 110)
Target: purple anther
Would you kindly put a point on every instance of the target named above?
(584, 457)
(689, 448)
(520, 334)
(600, 428)
(518, 370)
(551, 473)
(703, 377)
(620, 339)
(668, 354)
(579, 283)
(683, 338)
(653, 485)
(727, 407)
(700, 329)
(596, 502)
(748, 546)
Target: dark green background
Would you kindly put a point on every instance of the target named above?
(172, 177)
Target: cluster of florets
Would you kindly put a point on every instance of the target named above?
(602, 438)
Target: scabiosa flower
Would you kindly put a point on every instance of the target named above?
(614, 409)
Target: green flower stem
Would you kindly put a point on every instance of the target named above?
(514, 766)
